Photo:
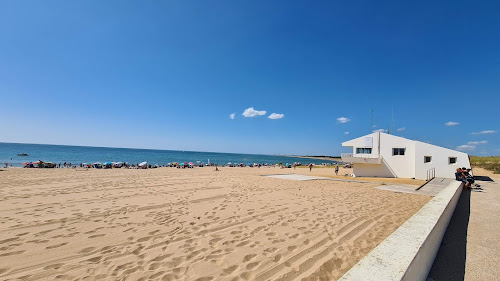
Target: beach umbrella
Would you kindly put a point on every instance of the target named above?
(182, 164)
(25, 163)
(143, 164)
(191, 163)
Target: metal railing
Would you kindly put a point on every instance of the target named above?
(346, 155)
(431, 173)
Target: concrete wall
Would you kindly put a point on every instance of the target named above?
(409, 252)
(440, 158)
(372, 170)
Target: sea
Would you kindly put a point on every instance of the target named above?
(86, 154)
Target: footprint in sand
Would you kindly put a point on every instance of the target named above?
(56, 246)
(205, 279)
(229, 270)
(244, 243)
(249, 257)
(277, 258)
(87, 250)
(3, 270)
(252, 265)
(271, 250)
(9, 240)
(12, 253)
(97, 235)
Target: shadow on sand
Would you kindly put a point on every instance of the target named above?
(450, 260)
(483, 178)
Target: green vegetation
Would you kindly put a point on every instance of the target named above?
(491, 163)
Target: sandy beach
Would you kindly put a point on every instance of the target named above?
(189, 224)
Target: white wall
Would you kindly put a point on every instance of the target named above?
(360, 142)
(402, 165)
(440, 156)
(410, 165)
(372, 170)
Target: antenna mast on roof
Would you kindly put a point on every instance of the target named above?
(371, 121)
(392, 130)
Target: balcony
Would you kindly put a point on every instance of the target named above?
(361, 158)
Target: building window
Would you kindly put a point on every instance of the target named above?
(427, 159)
(452, 160)
(398, 151)
(362, 150)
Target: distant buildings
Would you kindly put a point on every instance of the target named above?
(383, 155)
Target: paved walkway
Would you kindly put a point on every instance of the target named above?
(470, 249)
(435, 186)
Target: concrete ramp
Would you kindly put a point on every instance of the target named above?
(297, 177)
(434, 186)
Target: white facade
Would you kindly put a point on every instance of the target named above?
(383, 155)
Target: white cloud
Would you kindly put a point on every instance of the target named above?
(343, 120)
(346, 133)
(477, 142)
(276, 116)
(250, 112)
(231, 115)
(466, 147)
(401, 129)
(451, 123)
(380, 130)
(485, 132)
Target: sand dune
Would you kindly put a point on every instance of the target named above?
(190, 224)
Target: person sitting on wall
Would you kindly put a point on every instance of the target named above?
(468, 177)
(459, 176)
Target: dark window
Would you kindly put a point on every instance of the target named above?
(362, 150)
(452, 160)
(427, 159)
(398, 151)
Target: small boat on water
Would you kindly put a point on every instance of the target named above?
(22, 154)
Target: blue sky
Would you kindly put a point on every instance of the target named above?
(168, 74)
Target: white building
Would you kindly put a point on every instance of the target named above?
(383, 155)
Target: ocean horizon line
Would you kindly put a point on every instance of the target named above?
(159, 149)
(168, 150)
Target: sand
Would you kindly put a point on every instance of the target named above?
(189, 224)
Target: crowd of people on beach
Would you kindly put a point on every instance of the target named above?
(145, 165)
